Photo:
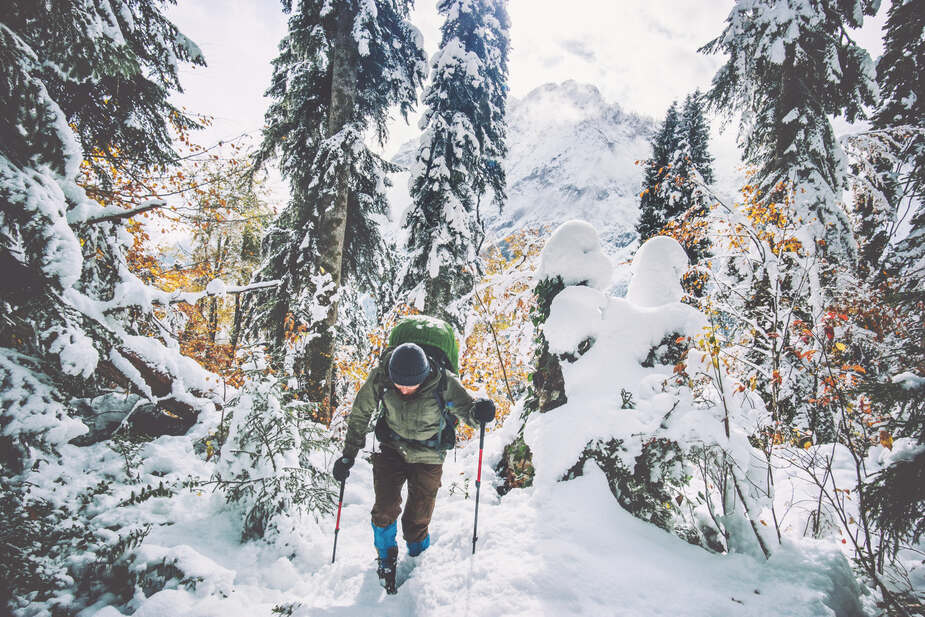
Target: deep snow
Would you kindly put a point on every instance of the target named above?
(556, 549)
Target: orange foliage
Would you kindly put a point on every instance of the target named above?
(499, 347)
(197, 191)
(771, 223)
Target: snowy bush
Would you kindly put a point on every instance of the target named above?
(34, 418)
(270, 465)
(77, 527)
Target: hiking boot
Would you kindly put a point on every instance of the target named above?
(386, 571)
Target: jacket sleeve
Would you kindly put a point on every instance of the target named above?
(459, 401)
(364, 404)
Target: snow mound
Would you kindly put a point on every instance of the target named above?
(574, 253)
(217, 287)
(211, 578)
(575, 315)
(657, 270)
(622, 335)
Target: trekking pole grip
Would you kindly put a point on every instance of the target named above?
(340, 503)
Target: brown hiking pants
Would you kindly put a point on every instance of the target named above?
(390, 472)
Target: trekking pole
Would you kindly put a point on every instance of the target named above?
(340, 503)
(478, 487)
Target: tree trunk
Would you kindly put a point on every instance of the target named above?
(213, 318)
(236, 327)
(318, 361)
(217, 272)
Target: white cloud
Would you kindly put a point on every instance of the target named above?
(239, 39)
(644, 52)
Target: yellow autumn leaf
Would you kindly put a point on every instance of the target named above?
(840, 346)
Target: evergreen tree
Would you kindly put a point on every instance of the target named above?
(887, 162)
(339, 70)
(791, 65)
(80, 76)
(267, 465)
(896, 501)
(460, 155)
(689, 154)
(899, 70)
(902, 108)
(110, 67)
(654, 208)
(680, 152)
(691, 157)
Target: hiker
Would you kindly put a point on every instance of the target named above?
(421, 401)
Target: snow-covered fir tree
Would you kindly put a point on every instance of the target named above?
(691, 166)
(902, 109)
(272, 464)
(79, 80)
(111, 68)
(340, 68)
(891, 219)
(460, 156)
(654, 209)
(902, 93)
(790, 66)
(887, 161)
(70, 302)
(681, 163)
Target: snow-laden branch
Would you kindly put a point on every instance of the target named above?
(214, 289)
(114, 213)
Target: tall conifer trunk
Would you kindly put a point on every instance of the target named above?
(341, 67)
(318, 361)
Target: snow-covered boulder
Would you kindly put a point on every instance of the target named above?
(622, 331)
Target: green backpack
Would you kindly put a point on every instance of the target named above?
(435, 336)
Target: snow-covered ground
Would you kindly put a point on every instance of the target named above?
(560, 549)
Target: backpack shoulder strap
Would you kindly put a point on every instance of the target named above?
(440, 390)
(446, 413)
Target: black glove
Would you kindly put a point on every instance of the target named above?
(342, 468)
(484, 410)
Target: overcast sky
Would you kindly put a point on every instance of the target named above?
(641, 54)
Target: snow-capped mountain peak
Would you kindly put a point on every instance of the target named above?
(571, 154)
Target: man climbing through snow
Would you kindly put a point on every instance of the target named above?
(421, 401)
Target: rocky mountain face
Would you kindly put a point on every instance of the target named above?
(571, 155)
